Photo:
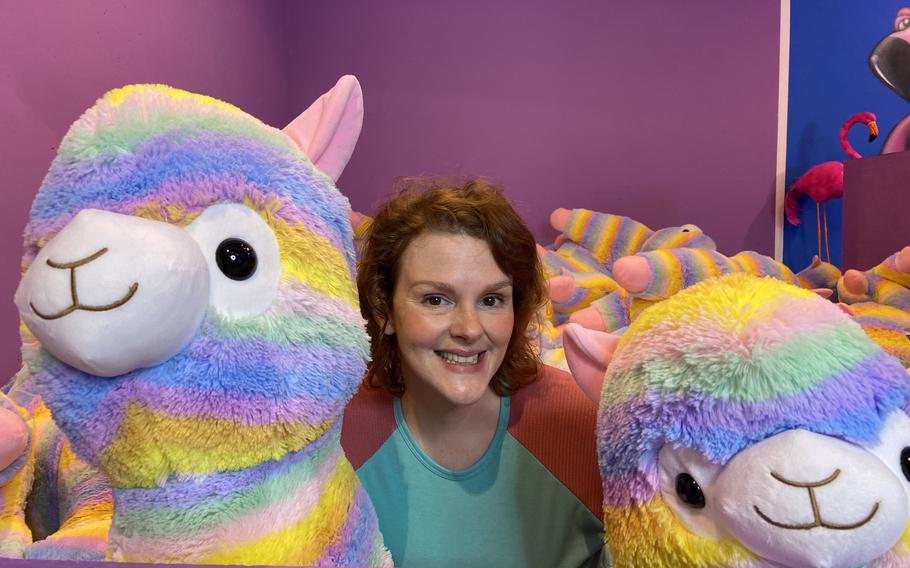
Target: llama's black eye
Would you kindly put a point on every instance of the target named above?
(690, 493)
(236, 259)
(905, 462)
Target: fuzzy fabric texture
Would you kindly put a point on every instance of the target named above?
(718, 368)
(608, 237)
(887, 326)
(15, 483)
(887, 283)
(228, 451)
(70, 502)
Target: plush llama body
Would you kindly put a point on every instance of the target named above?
(747, 422)
(191, 320)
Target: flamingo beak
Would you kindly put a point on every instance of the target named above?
(873, 131)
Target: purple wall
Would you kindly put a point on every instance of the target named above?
(58, 57)
(663, 111)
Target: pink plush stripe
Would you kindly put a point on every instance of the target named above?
(242, 530)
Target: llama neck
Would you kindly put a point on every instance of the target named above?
(287, 511)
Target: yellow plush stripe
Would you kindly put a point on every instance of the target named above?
(116, 97)
(305, 542)
(742, 308)
(313, 260)
(651, 535)
(305, 256)
(138, 458)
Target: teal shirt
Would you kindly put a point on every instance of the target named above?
(505, 510)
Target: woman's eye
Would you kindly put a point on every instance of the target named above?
(492, 301)
(433, 300)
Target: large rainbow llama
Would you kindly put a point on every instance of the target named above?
(191, 320)
(748, 422)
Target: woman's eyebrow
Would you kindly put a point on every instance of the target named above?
(441, 286)
(499, 285)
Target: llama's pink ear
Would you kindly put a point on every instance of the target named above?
(632, 273)
(816, 262)
(846, 309)
(329, 129)
(588, 353)
(823, 292)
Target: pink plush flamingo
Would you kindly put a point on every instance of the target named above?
(826, 181)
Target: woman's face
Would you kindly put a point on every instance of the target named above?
(452, 316)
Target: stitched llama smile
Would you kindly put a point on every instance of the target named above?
(76, 305)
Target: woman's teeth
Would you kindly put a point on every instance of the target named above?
(458, 359)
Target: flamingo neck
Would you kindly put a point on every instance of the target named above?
(844, 142)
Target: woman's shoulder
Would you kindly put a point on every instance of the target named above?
(369, 420)
(554, 420)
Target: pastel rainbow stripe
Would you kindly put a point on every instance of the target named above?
(606, 236)
(304, 509)
(673, 270)
(15, 483)
(718, 358)
(241, 426)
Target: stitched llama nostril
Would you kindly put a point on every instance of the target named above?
(72, 266)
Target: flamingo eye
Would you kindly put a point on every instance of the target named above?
(902, 24)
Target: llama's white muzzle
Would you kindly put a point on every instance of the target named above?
(804, 499)
(111, 293)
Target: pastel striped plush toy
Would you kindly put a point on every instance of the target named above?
(886, 325)
(17, 469)
(191, 320)
(887, 283)
(651, 276)
(69, 502)
(608, 237)
(746, 422)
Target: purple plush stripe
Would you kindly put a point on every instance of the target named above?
(251, 410)
(356, 540)
(848, 405)
(195, 195)
(180, 495)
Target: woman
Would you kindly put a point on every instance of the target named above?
(472, 454)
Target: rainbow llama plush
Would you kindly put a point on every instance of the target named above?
(651, 276)
(888, 283)
(747, 422)
(191, 320)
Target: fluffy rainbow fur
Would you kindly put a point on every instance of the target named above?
(15, 483)
(885, 284)
(687, 373)
(608, 237)
(887, 326)
(69, 502)
(674, 269)
(228, 452)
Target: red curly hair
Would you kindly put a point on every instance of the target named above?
(475, 208)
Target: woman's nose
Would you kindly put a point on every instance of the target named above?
(466, 324)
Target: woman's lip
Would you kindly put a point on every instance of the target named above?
(460, 353)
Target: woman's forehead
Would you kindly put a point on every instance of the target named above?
(452, 259)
